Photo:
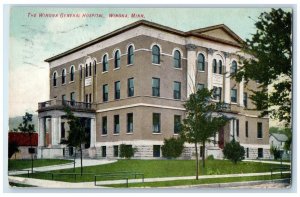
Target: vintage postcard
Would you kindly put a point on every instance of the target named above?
(164, 97)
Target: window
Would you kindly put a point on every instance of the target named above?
(201, 62)
(129, 122)
(116, 151)
(130, 55)
(72, 98)
(117, 59)
(177, 59)
(245, 98)
(217, 93)
(63, 98)
(233, 95)
(156, 122)
(86, 70)
(105, 93)
(104, 125)
(156, 150)
(233, 68)
(117, 90)
(247, 152)
(86, 98)
(54, 78)
(177, 122)
(95, 67)
(155, 87)
(103, 148)
(214, 66)
(176, 90)
(63, 76)
(116, 124)
(105, 63)
(237, 127)
(130, 85)
(72, 73)
(155, 55)
(90, 69)
(220, 67)
(259, 130)
(246, 129)
(260, 152)
(200, 86)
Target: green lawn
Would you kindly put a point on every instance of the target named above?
(199, 182)
(161, 168)
(19, 164)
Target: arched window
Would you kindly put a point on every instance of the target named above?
(105, 63)
(117, 59)
(90, 69)
(214, 66)
(72, 73)
(155, 55)
(86, 70)
(201, 62)
(177, 59)
(233, 68)
(130, 55)
(63, 76)
(220, 67)
(54, 78)
(95, 67)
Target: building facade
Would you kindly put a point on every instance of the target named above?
(130, 86)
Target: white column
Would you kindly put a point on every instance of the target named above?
(227, 81)
(241, 95)
(93, 133)
(55, 128)
(58, 129)
(191, 69)
(41, 132)
(209, 68)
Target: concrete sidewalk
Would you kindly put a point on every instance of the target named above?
(85, 162)
(60, 184)
(271, 162)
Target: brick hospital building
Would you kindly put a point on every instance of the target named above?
(130, 86)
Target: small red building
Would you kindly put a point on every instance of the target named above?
(24, 142)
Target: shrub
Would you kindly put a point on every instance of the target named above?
(210, 157)
(127, 151)
(275, 152)
(172, 147)
(234, 151)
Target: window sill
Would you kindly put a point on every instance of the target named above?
(233, 103)
(156, 64)
(63, 84)
(104, 72)
(117, 68)
(176, 134)
(129, 65)
(156, 133)
(71, 82)
(104, 135)
(116, 134)
(177, 68)
(201, 71)
(131, 133)
(259, 138)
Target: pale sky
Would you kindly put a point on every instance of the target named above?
(34, 39)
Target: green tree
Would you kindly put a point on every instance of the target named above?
(172, 147)
(27, 127)
(76, 137)
(275, 152)
(234, 151)
(202, 122)
(270, 64)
